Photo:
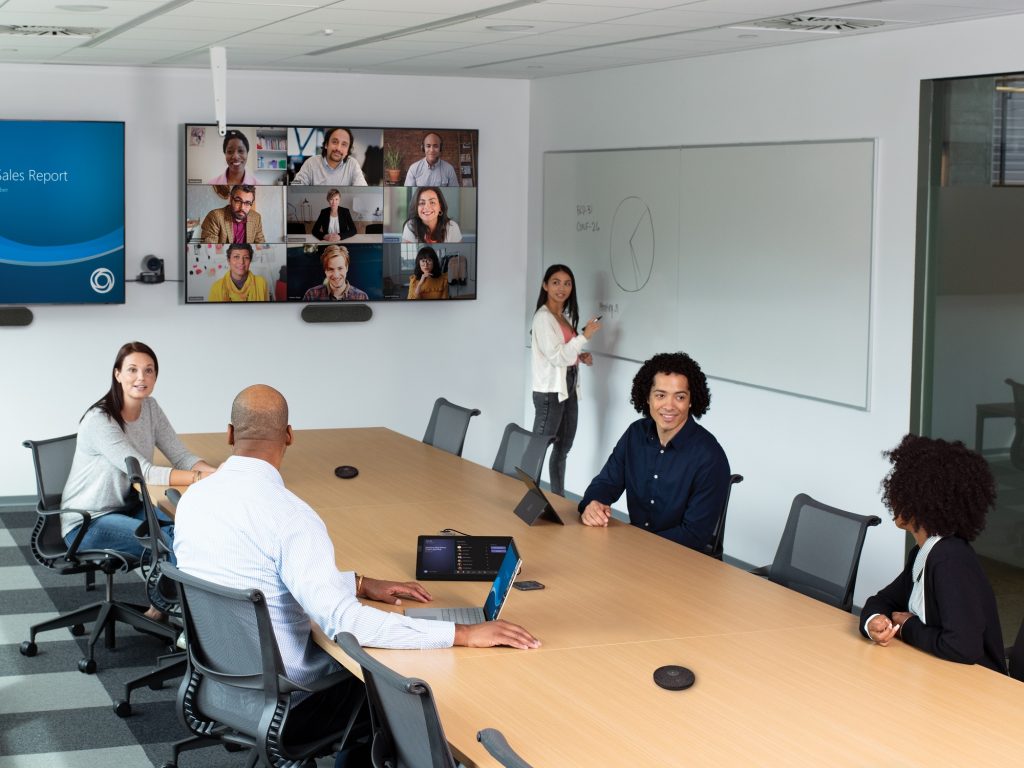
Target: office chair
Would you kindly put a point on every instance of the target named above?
(819, 552)
(374, 228)
(498, 747)
(1015, 655)
(717, 545)
(161, 591)
(524, 449)
(407, 731)
(448, 426)
(52, 459)
(235, 691)
(1017, 446)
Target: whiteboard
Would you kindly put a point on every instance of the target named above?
(755, 259)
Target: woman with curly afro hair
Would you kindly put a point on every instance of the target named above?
(674, 472)
(940, 493)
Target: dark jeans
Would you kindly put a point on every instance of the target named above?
(558, 419)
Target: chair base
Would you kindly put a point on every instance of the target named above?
(169, 667)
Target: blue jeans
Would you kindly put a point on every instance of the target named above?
(116, 531)
(558, 419)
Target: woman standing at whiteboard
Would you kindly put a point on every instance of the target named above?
(557, 351)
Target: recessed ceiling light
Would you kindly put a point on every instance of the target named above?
(82, 8)
(510, 27)
(328, 31)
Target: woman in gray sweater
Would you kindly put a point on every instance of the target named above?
(126, 421)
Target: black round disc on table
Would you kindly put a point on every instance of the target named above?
(345, 472)
(673, 678)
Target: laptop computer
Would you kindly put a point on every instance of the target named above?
(534, 505)
(496, 598)
(459, 558)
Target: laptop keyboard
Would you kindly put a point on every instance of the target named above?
(461, 615)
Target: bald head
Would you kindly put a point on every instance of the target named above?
(260, 412)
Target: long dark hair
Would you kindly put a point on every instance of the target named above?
(419, 229)
(571, 309)
(435, 264)
(112, 402)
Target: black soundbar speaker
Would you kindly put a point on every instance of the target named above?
(15, 316)
(336, 313)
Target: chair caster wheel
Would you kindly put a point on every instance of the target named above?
(122, 708)
(28, 648)
(77, 630)
(87, 666)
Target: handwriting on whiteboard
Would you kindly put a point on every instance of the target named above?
(583, 222)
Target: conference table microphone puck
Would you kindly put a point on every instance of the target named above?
(345, 472)
(673, 678)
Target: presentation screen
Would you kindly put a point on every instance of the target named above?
(309, 214)
(61, 212)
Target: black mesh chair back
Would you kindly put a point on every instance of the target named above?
(448, 426)
(1016, 655)
(524, 449)
(52, 461)
(407, 730)
(498, 747)
(819, 553)
(717, 545)
(1017, 446)
(235, 689)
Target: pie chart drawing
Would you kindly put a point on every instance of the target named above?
(632, 245)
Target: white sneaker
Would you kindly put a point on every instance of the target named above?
(180, 642)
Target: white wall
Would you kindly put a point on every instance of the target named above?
(836, 89)
(385, 372)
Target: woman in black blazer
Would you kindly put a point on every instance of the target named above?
(345, 226)
(939, 492)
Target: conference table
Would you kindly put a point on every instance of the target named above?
(780, 678)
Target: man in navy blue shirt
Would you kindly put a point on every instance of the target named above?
(674, 472)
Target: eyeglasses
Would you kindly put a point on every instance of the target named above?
(244, 203)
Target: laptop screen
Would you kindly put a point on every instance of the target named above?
(502, 582)
(460, 558)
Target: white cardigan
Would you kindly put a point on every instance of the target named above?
(551, 355)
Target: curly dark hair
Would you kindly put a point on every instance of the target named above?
(671, 362)
(940, 487)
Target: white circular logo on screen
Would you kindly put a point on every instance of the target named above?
(101, 280)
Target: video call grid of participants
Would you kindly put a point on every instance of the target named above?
(304, 214)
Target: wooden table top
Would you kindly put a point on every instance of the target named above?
(781, 678)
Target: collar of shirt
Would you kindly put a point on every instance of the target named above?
(651, 430)
(922, 556)
(251, 465)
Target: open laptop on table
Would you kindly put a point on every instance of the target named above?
(496, 598)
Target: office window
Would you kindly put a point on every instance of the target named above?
(1008, 131)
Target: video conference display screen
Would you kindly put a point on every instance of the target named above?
(61, 212)
(327, 213)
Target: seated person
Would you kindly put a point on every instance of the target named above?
(940, 493)
(238, 283)
(335, 287)
(334, 222)
(236, 153)
(247, 530)
(674, 472)
(427, 281)
(431, 170)
(430, 223)
(236, 222)
(334, 165)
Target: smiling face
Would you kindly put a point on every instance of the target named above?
(432, 147)
(669, 404)
(241, 204)
(137, 376)
(334, 201)
(238, 263)
(235, 155)
(339, 144)
(337, 272)
(559, 288)
(428, 207)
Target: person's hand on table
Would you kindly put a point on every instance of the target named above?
(881, 629)
(391, 592)
(900, 618)
(596, 514)
(491, 633)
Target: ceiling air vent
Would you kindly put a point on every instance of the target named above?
(25, 30)
(817, 24)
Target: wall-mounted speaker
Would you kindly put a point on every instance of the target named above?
(336, 313)
(15, 316)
